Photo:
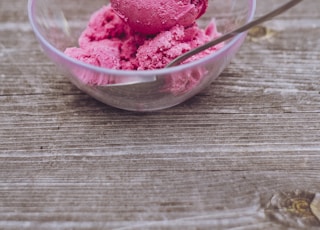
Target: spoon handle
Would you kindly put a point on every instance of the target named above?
(233, 33)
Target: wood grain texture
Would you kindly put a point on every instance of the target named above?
(69, 162)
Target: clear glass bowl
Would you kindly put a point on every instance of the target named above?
(58, 24)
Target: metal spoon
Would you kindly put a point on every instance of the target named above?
(233, 33)
(138, 80)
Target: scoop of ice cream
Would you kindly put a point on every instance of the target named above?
(154, 16)
(107, 42)
(156, 53)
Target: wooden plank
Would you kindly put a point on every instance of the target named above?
(229, 158)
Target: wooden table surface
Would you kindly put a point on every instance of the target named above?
(243, 154)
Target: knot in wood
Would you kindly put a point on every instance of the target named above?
(299, 206)
(258, 33)
(293, 209)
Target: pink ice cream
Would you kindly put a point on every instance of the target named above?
(112, 42)
(154, 16)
